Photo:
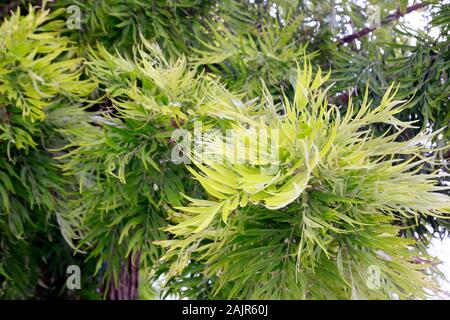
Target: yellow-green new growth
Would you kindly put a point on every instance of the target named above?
(333, 180)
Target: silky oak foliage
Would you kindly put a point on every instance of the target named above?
(330, 186)
(295, 232)
(39, 79)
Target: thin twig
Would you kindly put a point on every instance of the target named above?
(393, 16)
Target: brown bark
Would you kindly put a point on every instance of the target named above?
(128, 282)
(393, 16)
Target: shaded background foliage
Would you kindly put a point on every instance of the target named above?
(240, 41)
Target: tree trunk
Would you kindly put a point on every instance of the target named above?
(127, 288)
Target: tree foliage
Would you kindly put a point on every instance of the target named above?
(39, 81)
(90, 122)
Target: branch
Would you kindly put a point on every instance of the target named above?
(393, 16)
